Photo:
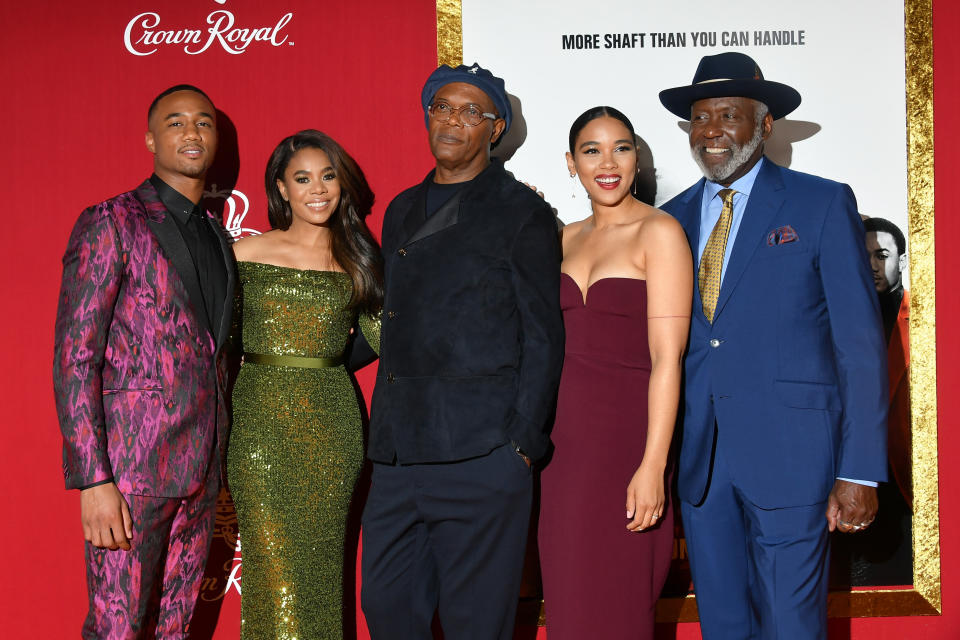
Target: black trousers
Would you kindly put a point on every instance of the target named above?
(446, 537)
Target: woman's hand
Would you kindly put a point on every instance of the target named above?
(645, 498)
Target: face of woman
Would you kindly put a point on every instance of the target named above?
(605, 158)
(311, 187)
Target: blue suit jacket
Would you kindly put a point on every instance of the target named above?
(793, 369)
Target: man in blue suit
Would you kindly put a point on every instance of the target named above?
(785, 379)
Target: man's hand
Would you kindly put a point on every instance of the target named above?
(105, 517)
(851, 507)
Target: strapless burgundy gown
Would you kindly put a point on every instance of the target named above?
(599, 579)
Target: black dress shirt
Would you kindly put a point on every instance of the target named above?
(200, 236)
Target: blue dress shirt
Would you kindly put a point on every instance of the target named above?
(711, 206)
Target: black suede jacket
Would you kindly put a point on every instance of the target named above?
(472, 338)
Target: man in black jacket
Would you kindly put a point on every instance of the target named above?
(471, 349)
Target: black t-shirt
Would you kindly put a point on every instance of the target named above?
(439, 194)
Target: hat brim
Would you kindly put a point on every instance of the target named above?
(779, 98)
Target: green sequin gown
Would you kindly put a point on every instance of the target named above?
(295, 451)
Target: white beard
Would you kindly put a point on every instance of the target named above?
(738, 157)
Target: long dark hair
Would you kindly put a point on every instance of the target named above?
(352, 244)
(592, 114)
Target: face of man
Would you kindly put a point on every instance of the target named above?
(725, 138)
(459, 149)
(182, 136)
(885, 262)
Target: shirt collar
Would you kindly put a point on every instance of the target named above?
(175, 202)
(743, 184)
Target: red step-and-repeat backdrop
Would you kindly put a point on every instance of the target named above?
(77, 78)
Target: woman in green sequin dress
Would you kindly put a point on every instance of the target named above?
(296, 445)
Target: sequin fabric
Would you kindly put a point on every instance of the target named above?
(295, 452)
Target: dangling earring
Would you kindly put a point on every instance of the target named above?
(635, 189)
(573, 185)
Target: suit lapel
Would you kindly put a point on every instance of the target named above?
(171, 242)
(688, 215)
(416, 224)
(228, 263)
(417, 215)
(446, 216)
(765, 200)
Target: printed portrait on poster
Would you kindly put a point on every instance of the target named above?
(558, 61)
(883, 555)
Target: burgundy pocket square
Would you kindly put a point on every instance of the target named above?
(782, 235)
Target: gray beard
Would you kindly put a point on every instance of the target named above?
(737, 159)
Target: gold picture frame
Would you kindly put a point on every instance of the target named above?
(923, 597)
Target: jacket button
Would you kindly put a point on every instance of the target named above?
(391, 314)
(390, 377)
(714, 343)
(401, 252)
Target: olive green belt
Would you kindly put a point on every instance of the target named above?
(293, 361)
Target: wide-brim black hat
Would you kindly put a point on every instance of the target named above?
(728, 75)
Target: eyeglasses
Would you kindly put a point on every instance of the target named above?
(470, 115)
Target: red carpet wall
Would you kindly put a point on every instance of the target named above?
(77, 79)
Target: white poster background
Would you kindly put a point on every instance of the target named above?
(849, 71)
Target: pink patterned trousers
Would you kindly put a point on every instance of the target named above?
(150, 591)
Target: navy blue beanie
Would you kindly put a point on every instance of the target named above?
(475, 75)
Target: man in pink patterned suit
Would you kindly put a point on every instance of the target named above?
(140, 377)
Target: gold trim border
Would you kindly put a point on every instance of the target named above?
(918, 29)
(449, 32)
(924, 597)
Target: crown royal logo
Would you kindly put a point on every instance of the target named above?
(219, 581)
(144, 36)
(234, 213)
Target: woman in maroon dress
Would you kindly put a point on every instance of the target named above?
(626, 292)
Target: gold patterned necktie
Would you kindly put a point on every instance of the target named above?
(711, 263)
